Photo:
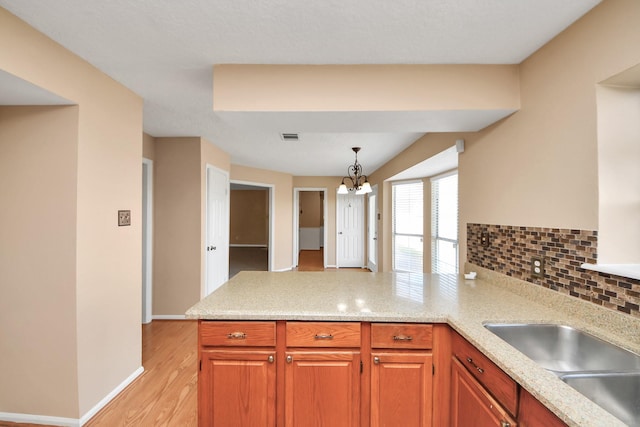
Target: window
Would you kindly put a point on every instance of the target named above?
(444, 224)
(407, 226)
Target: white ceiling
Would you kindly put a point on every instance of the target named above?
(164, 50)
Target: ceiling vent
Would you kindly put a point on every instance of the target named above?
(290, 137)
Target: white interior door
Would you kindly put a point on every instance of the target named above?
(217, 234)
(350, 228)
(372, 230)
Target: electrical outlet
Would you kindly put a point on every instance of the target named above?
(484, 239)
(124, 218)
(537, 267)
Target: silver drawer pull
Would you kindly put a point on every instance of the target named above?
(376, 360)
(477, 368)
(236, 336)
(323, 336)
(402, 338)
(270, 359)
(289, 359)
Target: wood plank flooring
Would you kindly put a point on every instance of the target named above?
(166, 393)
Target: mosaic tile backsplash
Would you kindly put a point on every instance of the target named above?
(510, 250)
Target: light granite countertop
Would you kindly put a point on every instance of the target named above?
(463, 304)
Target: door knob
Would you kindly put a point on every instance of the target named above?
(339, 232)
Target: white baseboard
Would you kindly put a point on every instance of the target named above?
(71, 422)
(331, 266)
(39, 419)
(169, 317)
(284, 269)
(86, 417)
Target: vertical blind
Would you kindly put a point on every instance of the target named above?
(444, 224)
(408, 226)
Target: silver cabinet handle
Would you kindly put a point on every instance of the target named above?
(477, 368)
(236, 336)
(270, 359)
(323, 336)
(402, 338)
(376, 360)
(289, 359)
(504, 423)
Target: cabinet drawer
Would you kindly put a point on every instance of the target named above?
(323, 334)
(237, 334)
(498, 383)
(401, 335)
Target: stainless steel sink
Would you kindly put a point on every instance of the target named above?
(601, 371)
(563, 349)
(617, 393)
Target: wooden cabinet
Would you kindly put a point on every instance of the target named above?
(322, 388)
(322, 374)
(401, 375)
(534, 414)
(237, 380)
(472, 405)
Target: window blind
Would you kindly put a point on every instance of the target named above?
(407, 226)
(444, 224)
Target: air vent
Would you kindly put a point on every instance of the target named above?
(290, 137)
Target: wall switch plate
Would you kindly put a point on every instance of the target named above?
(124, 218)
(537, 267)
(484, 239)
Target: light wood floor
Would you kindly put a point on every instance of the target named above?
(166, 393)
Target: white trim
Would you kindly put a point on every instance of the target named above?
(39, 419)
(93, 411)
(148, 244)
(247, 246)
(296, 225)
(444, 174)
(332, 266)
(71, 422)
(284, 269)
(169, 317)
(272, 207)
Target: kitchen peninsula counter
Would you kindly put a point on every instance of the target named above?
(465, 305)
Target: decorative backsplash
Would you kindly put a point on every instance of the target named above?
(510, 249)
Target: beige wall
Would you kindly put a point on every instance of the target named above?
(38, 150)
(177, 225)
(283, 209)
(243, 87)
(148, 146)
(311, 209)
(249, 217)
(107, 299)
(331, 183)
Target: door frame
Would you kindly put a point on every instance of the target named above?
(296, 223)
(271, 189)
(205, 289)
(363, 236)
(374, 192)
(147, 267)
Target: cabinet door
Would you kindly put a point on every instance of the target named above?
(322, 389)
(237, 388)
(472, 405)
(535, 414)
(401, 389)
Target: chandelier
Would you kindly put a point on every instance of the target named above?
(356, 180)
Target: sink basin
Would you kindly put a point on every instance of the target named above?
(617, 393)
(562, 349)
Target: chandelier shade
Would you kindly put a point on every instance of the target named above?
(355, 181)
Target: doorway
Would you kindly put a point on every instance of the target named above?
(350, 230)
(309, 224)
(251, 225)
